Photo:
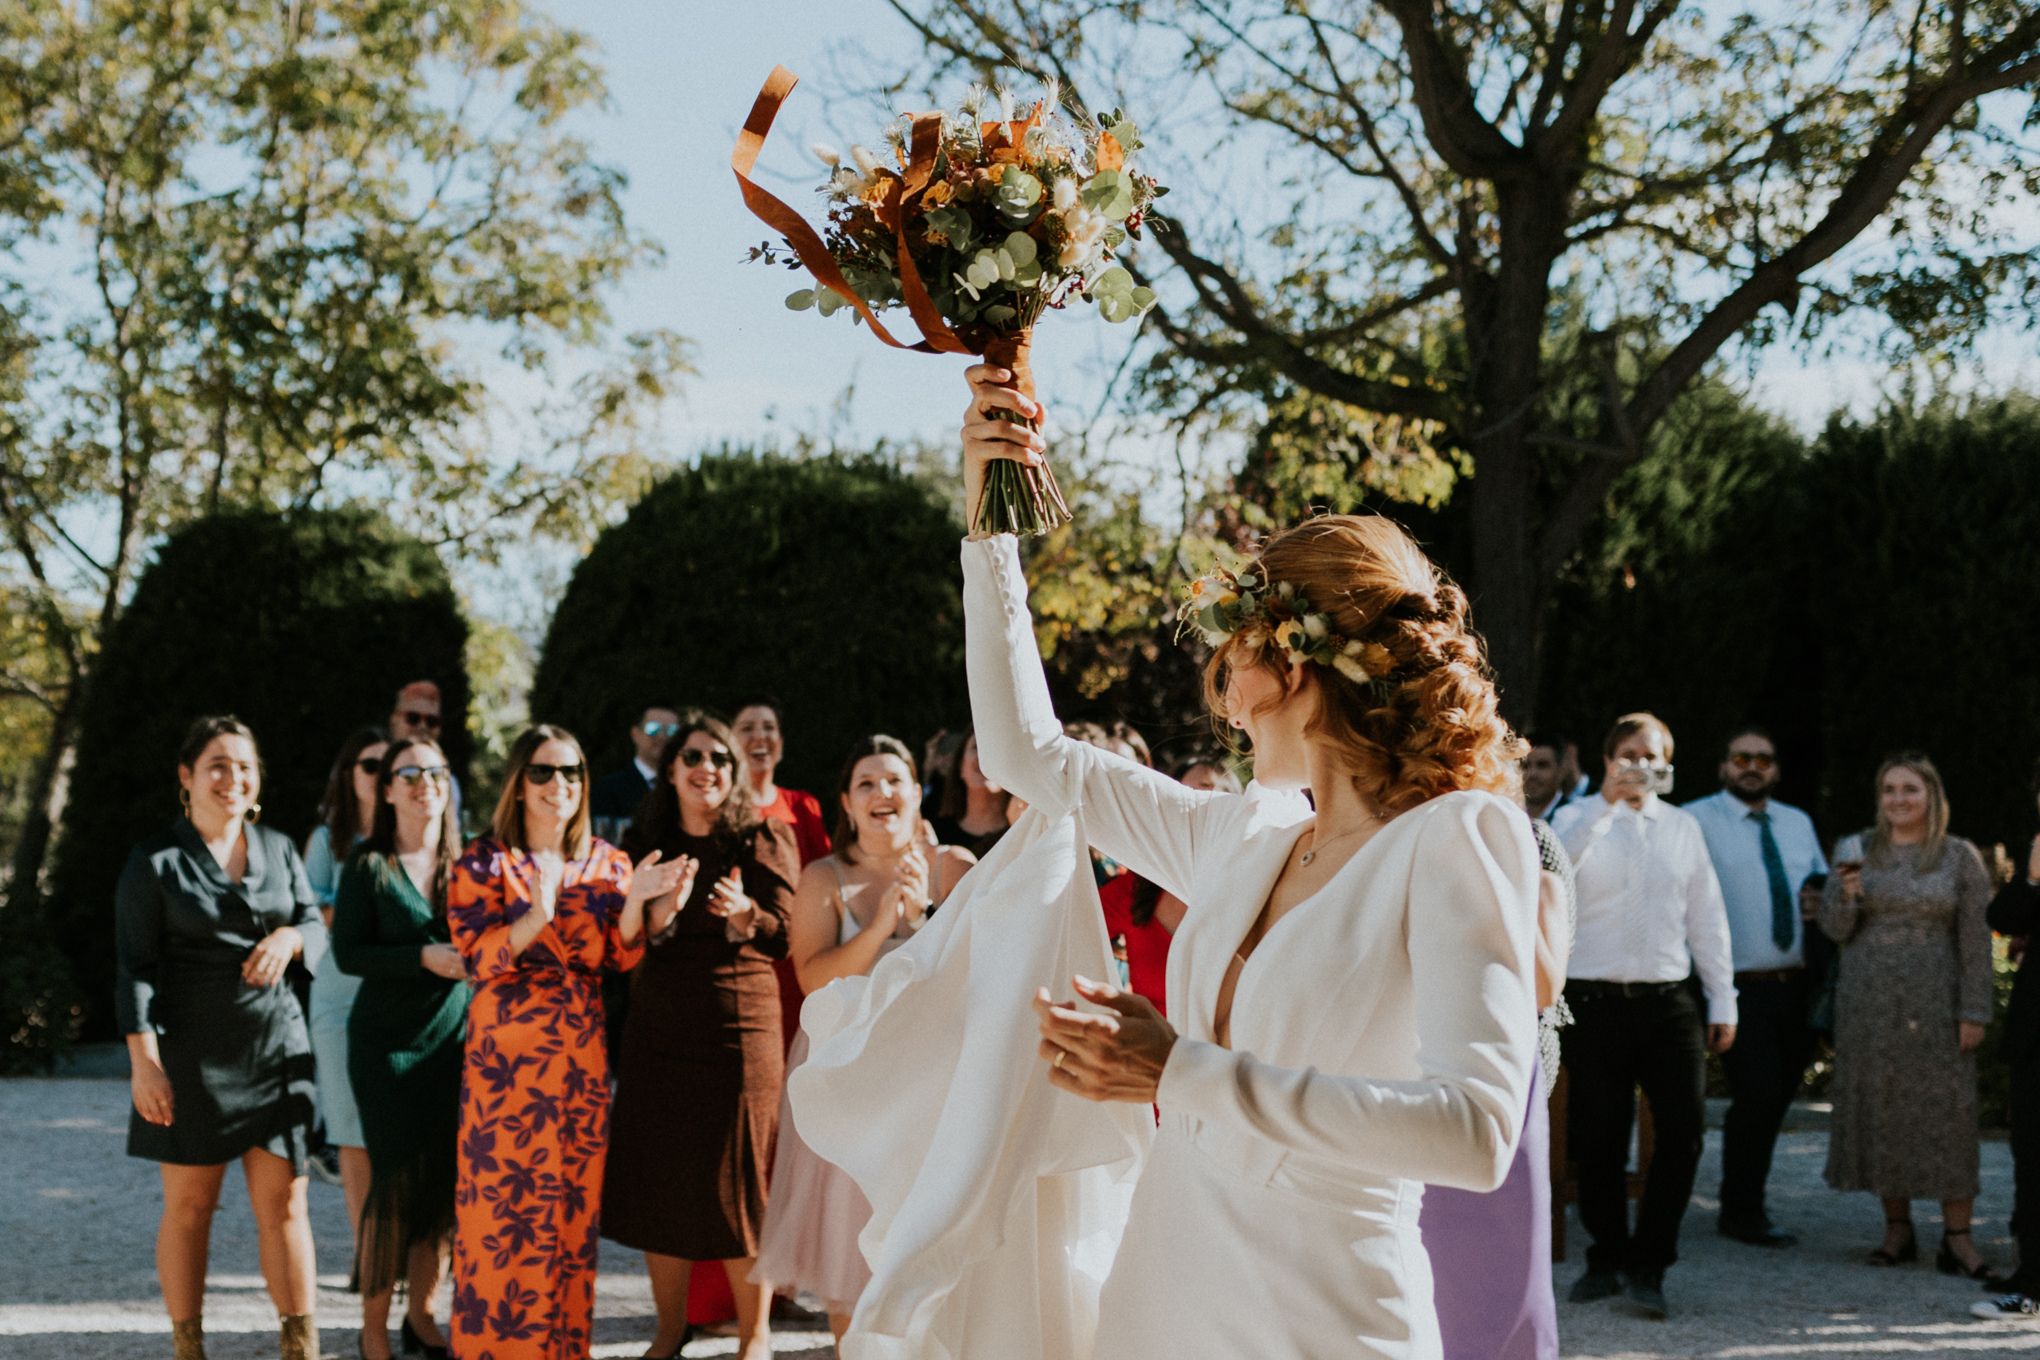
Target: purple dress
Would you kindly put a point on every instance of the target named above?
(1491, 1255)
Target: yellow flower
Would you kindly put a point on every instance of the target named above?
(938, 193)
(1290, 636)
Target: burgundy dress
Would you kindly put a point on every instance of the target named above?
(697, 1094)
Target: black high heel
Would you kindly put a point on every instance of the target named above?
(686, 1335)
(1948, 1263)
(1906, 1254)
(414, 1344)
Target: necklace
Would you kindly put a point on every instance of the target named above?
(1317, 845)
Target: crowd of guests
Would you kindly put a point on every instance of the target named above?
(577, 1024)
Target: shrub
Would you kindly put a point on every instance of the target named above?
(301, 624)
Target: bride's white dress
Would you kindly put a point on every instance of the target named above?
(1383, 1035)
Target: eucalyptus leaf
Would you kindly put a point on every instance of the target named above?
(800, 299)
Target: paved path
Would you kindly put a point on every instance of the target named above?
(77, 1278)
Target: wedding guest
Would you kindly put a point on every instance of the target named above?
(759, 728)
(703, 1060)
(615, 797)
(2015, 911)
(404, 1039)
(416, 713)
(939, 770)
(1763, 852)
(346, 816)
(852, 907)
(1491, 1253)
(538, 908)
(1907, 903)
(1547, 782)
(208, 915)
(1650, 915)
(975, 812)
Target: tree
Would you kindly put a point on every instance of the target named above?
(271, 224)
(309, 621)
(1518, 232)
(829, 583)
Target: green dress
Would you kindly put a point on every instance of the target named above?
(404, 1039)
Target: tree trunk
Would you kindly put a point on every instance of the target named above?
(45, 805)
(1508, 592)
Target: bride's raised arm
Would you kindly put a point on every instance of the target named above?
(1140, 817)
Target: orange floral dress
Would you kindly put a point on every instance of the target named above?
(534, 1111)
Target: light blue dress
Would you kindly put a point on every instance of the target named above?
(332, 1001)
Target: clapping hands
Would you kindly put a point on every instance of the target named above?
(906, 897)
(727, 900)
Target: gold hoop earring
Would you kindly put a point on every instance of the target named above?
(184, 801)
(255, 813)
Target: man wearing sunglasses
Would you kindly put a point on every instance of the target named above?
(614, 800)
(1764, 852)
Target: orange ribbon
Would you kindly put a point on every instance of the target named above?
(901, 194)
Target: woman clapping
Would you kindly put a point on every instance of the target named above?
(539, 908)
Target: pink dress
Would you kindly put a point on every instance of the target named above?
(813, 1211)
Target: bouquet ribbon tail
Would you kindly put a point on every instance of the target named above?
(807, 245)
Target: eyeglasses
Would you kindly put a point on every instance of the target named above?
(1744, 760)
(411, 774)
(543, 774)
(722, 760)
(428, 721)
(658, 729)
(369, 764)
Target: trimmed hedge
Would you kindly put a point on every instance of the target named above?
(301, 624)
(830, 583)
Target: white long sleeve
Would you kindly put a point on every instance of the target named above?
(1471, 920)
(1140, 817)
(1707, 936)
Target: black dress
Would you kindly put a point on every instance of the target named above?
(238, 1056)
(697, 1096)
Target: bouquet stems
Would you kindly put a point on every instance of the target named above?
(1017, 499)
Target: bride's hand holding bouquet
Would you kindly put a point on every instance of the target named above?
(990, 439)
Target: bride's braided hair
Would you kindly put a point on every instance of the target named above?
(1427, 720)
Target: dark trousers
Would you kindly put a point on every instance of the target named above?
(1764, 1068)
(1622, 1038)
(2026, 1169)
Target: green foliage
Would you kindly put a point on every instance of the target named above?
(302, 625)
(830, 583)
(1865, 595)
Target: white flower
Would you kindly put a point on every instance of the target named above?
(1065, 193)
(1075, 254)
(1315, 625)
(826, 154)
(1350, 668)
(866, 162)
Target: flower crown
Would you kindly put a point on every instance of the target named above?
(1223, 605)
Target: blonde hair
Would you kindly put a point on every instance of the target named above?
(1936, 839)
(1430, 722)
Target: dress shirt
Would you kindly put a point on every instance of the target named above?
(647, 772)
(1735, 844)
(1650, 907)
(1563, 798)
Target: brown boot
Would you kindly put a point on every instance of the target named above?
(188, 1339)
(300, 1337)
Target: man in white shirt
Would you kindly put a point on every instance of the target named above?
(1547, 775)
(1764, 852)
(1650, 916)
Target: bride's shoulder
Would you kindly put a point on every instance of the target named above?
(1468, 815)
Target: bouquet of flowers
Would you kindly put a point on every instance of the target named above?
(975, 222)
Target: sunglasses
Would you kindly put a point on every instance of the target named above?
(411, 774)
(1744, 760)
(722, 760)
(543, 774)
(657, 729)
(428, 721)
(369, 764)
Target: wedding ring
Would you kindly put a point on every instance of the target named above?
(1060, 1054)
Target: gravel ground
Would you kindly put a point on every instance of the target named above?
(77, 1278)
(77, 1244)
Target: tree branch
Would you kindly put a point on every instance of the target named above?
(1465, 140)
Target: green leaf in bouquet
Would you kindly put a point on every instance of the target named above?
(800, 299)
(1114, 282)
(1021, 247)
(955, 225)
(999, 314)
(981, 273)
(829, 302)
(1018, 196)
(1110, 194)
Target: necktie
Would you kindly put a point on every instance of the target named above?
(1781, 892)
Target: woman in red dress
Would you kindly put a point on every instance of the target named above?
(538, 908)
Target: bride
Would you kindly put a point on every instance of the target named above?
(1353, 984)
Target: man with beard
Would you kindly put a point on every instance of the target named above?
(1764, 852)
(1548, 775)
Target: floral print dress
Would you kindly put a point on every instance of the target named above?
(534, 1119)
